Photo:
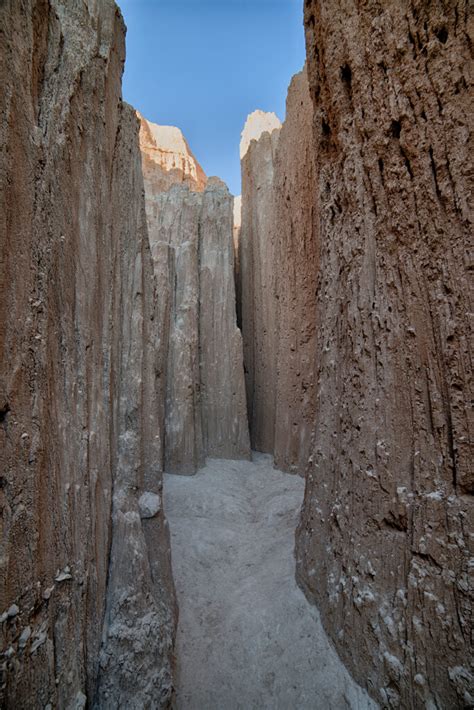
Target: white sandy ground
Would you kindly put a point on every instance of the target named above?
(247, 637)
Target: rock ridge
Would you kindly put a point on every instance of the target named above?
(167, 158)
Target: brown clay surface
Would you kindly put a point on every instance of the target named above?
(382, 546)
(258, 306)
(296, 280)
(79, 444)
(190, 224)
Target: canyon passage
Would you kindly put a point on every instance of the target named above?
(236, 432)
(247, 636)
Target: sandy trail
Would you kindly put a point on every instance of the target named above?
(247, 637)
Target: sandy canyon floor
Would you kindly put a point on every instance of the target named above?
(247, 637)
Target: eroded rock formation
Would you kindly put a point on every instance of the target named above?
(191, 238)
(120, 353)
(391, 483)
(368, 251)
(79, 434)
(257, 276)
(257, 123)
(277, 278)
(224, 412)
(236, 235)
(296, 271)
(167, 159)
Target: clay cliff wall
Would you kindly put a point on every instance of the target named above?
(277, 278)
(120, 354)
(167, 159)
(191, 238)
(224, 411)
(82, 529)
(383, 542)
(355, 298)
(296, 271)
(258, 306)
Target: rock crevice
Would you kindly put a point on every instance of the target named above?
(120, 354)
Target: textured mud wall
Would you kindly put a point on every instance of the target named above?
(258, 305)
(174, 234)
(277, 278)
(296, 275)
(79, 481)
(236, 236)
(224, 411)
(138, 634)
(191, 238)
(383, 542)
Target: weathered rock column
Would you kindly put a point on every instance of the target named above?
(257, 276)
(277, 278)
(80, 443)
(140, 617)
(191, 236)
(224, 411)
(176, 229)
(383, 542)
(296, 271)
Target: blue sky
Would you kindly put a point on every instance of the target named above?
(204, 65)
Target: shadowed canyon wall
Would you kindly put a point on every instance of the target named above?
(371, 274)
(85, 552)
(120, 354)
(296, 273)
(256, 274)
(391, 482)
(191, 237)
(278, 255)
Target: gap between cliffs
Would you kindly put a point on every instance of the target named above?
(247, 636)
(121, 359)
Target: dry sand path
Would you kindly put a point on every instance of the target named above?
(247, 637)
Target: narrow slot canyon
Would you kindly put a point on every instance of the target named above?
(236, 430)
(247, 637)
